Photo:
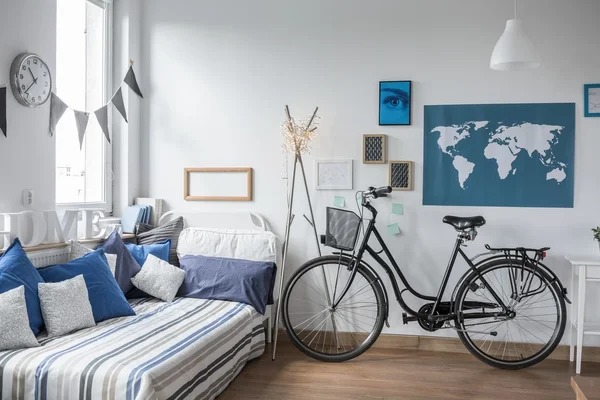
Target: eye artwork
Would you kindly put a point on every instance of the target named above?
(395, 103)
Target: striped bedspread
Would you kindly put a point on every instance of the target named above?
(188, 349)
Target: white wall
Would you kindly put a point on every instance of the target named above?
(27, 154)
(217, 75)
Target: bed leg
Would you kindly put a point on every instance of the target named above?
(269, 329)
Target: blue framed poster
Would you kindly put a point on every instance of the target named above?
(506, 155)
(395, 102)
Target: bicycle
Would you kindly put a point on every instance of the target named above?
(508, 309)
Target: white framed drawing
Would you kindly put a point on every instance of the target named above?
(333, 174)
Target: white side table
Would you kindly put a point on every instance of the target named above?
(587, 269)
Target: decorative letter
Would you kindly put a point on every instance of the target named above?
(54, 232)
(69, 224)
(38, 228)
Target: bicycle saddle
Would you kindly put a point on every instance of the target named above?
(462, 223)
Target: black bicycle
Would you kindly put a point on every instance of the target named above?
(508, 308)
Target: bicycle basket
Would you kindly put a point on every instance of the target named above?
(343, 227)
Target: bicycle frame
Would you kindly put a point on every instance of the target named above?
(364, 247)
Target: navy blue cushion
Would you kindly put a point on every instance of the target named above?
(140, 251)
(106, 298)
(215, 278)
(17, 270)
(127, 267)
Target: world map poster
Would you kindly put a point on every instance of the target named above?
(506, 155)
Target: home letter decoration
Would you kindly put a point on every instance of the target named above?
(38, 228)
(69, 224)
(54, 232)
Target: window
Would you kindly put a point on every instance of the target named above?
(82, 82)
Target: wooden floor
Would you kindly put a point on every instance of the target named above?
(399, 374)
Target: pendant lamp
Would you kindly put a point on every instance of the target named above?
(514, 51)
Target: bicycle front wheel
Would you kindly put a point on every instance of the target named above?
(536, 314)
(328, 333)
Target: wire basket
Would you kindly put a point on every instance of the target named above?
(343, 227)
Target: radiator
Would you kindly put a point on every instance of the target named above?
(43, 258)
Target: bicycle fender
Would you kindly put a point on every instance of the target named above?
(516, 259)
(366, 266)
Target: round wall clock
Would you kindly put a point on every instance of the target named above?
(30, 80)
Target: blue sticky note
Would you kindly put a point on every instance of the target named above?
(398, 209)
(393, 229)
(339, 201)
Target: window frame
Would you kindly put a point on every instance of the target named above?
(107, 204)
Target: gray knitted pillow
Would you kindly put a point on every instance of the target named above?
(78, 250)
(159, 279)
(15, 332)
(148, 234)
(65, 306)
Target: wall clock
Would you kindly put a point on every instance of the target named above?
(30, 80)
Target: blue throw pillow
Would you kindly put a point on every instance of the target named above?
(127, 267)
(248, 282)
(106, 298)
(140, 251)
(17, 270)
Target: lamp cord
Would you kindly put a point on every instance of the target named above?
(515, 9)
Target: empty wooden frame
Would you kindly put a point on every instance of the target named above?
(217, 184)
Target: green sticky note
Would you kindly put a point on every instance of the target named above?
(339, 201)
(393, 229)
(397, 209)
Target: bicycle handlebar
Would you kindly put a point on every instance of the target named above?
(379, 192)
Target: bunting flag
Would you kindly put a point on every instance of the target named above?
(132, 82)
(57, 109)
(117, 101)
(3, 110)
(102, 117)
(81, 120)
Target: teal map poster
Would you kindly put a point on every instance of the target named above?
(505, 155)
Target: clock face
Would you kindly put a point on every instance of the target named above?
(31, 81)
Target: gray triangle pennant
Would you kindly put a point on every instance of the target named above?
(81, 120)
(102, 117)
(132, 82)
(3, 110)
(57, 109)
(119, 104)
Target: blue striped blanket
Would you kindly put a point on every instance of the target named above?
(186, 349)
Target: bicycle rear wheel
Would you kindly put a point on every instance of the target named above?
(326, 333)
(536, 320)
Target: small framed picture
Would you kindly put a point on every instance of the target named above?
(374, 149)
(333, 174)
(395, 102)
(401, 175)
(591, 98)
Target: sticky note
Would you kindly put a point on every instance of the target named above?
(339, 201)
(393, 229)
(397, 209)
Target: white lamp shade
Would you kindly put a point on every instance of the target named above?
(514, 51)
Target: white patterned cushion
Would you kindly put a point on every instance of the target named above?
(228, 243)
(159, 279)
(78, 250)
(15, 332)
(65, 306)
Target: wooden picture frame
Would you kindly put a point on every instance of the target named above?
(374, 149)
(246, 182)
(401, 175)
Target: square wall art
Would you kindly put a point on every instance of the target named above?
(395, 102)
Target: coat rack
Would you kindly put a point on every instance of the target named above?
(297, 138)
